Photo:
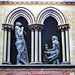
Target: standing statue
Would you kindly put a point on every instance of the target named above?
(52, 55)
(20, 43)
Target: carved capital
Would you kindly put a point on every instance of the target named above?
(64, 27)
(36, 27)
(7, 27)
(31, 28)
(41, 28)
(67, 26)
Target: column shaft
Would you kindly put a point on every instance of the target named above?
(9, 45)
(5, 45)
(3, 58)
(32, 46)
(67, 45)
(36, 45)
(63, 45)
(40, 52)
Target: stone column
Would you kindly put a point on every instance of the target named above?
(36, 52)
(67, 43)
(7, 43)
(36, 46)
(61, 27)
(32, 46)
(40, 49)
(63, 46)
(4, 44)
(40, 52)
(10, 27)
(32, 43)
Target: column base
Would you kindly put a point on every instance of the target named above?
(7, 63)
(35, 63)
(66, 62)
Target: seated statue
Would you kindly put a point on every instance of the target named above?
(52, 55)
(20, 44)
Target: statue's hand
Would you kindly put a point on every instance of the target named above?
(46, 52)
(46, 49)
(22, 28)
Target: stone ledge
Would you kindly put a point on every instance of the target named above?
(39, 66)
(37, 69)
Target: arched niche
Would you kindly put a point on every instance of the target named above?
(24, 16)
(27, 38)
(51, 18)
(17, 12)
(51, 11)
(51, 29)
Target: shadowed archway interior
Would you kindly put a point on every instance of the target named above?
(50, 29)
(13, 39)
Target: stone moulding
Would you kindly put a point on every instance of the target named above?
(39, 66)
(36, 3)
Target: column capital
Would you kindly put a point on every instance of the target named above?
(63, 27)
(67, 26)
(7, 27)
(36, 27)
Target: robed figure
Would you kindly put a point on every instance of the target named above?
(20, 43)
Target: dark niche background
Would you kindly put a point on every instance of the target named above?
(50, 29)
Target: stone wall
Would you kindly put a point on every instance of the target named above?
(37, 71)
(67, 10)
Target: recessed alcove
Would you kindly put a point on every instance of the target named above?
(13, 39)
(51, 29)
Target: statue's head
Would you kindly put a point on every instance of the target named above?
(18, 23)
(54, 38)
(46, 45)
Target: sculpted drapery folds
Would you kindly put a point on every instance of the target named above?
(20, 44)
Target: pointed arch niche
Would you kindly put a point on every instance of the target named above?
(24, 16)
(45, 17)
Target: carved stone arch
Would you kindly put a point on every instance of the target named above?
(62, 25)
(51, 11)
(20, 12)
(24, 16)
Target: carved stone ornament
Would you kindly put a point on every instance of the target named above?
(7, 27)
(36, 27)
(64, 27)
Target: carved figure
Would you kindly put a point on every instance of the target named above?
(20, 44)
(52, 55)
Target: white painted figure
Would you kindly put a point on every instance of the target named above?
(52, 55)
(20, 44)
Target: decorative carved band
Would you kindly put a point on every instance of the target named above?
(7, 27)
(36, 27)
(64, 27)
(36, 3)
